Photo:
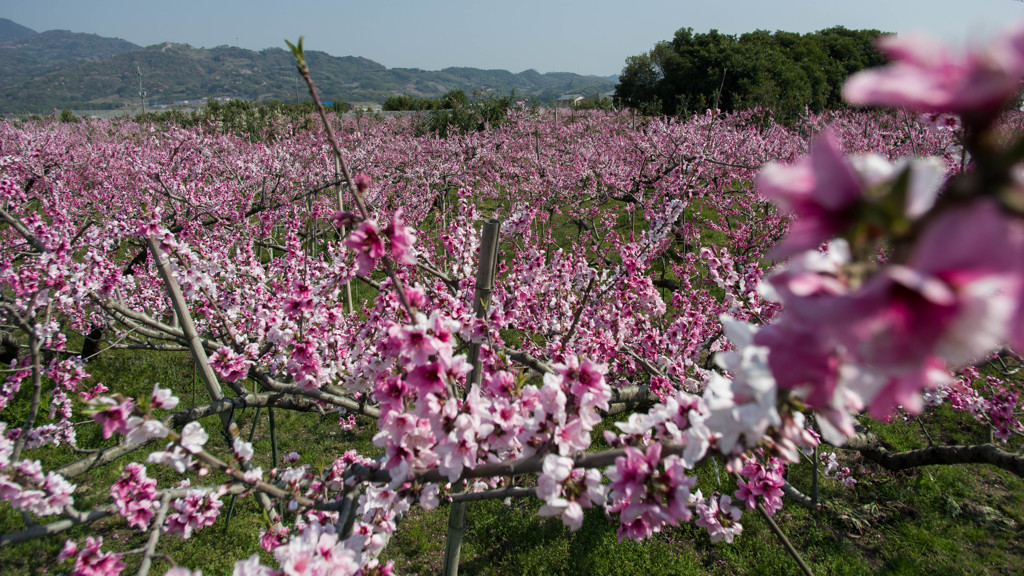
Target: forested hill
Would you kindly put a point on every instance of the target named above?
(33, 54)
(782, 71)
(11, 31)
(60, 69)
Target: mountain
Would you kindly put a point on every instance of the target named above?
(36, 54)
(11, 31)
(60, 69)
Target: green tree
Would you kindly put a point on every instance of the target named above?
(782, 71)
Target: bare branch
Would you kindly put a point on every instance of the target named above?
(509, 492)
(869, 446)
(154, 536)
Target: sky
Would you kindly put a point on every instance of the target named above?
(581, 36)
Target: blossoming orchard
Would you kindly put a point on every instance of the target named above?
(578, 309)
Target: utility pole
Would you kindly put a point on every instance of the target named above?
(142, 93)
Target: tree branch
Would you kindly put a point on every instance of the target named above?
(868, 445)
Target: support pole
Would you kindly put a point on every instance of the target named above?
(195, 345)
(481, 301)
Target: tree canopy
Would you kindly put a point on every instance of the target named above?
(783, 71)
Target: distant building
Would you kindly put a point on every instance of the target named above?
(366, 106)
(569, 100)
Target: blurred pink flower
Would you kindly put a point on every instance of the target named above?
(369, 248)
(825, 191)
(362, 182)
(927, 77)
(819, 191)
(402, 239)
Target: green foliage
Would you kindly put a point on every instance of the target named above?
(448, 101)
(785, 72)
(459, 114)
(297, 52)
(67, 116)
(245, 118)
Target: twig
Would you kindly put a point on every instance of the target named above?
(510, 492)
(154, 536)
(195, 345)
(20, 228)
(37, 388)
(579, 313)
(333, 140)
(57, 527)
(785, 541)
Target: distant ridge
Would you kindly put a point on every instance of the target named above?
(61, 69)
(11, 31)
(36, 54)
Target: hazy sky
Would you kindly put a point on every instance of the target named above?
(586, 37)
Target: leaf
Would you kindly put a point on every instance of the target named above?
(300, 58)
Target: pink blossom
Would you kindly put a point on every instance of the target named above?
(362, 182)
(140, 430)
(630, 474)
(820, 191)
(253, 475)
(243, 450)
(428, 379)
(402, 240)
(430, 497)
(135, 495)
(90, 561)
(720, 518)
(369, 248)
(391, 393)
(250, 567)
(273, 537)
(194, 512)
(177, 458)
(162, 398)
(115, 417)
(826, 192)
(1002, 408)
(69, 550)
(762, 480)
(952, 301)
(925, 76)
(229, 365)
(193, 437)
(567, 492)
(417, 341)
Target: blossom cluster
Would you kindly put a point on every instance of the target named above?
(136, 496)
(863, 331)
(90, 560)
(26, 487)
(761, 481)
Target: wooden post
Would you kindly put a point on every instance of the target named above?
(484, 287)
(344, 229)
(481, 301)
(195, 345)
